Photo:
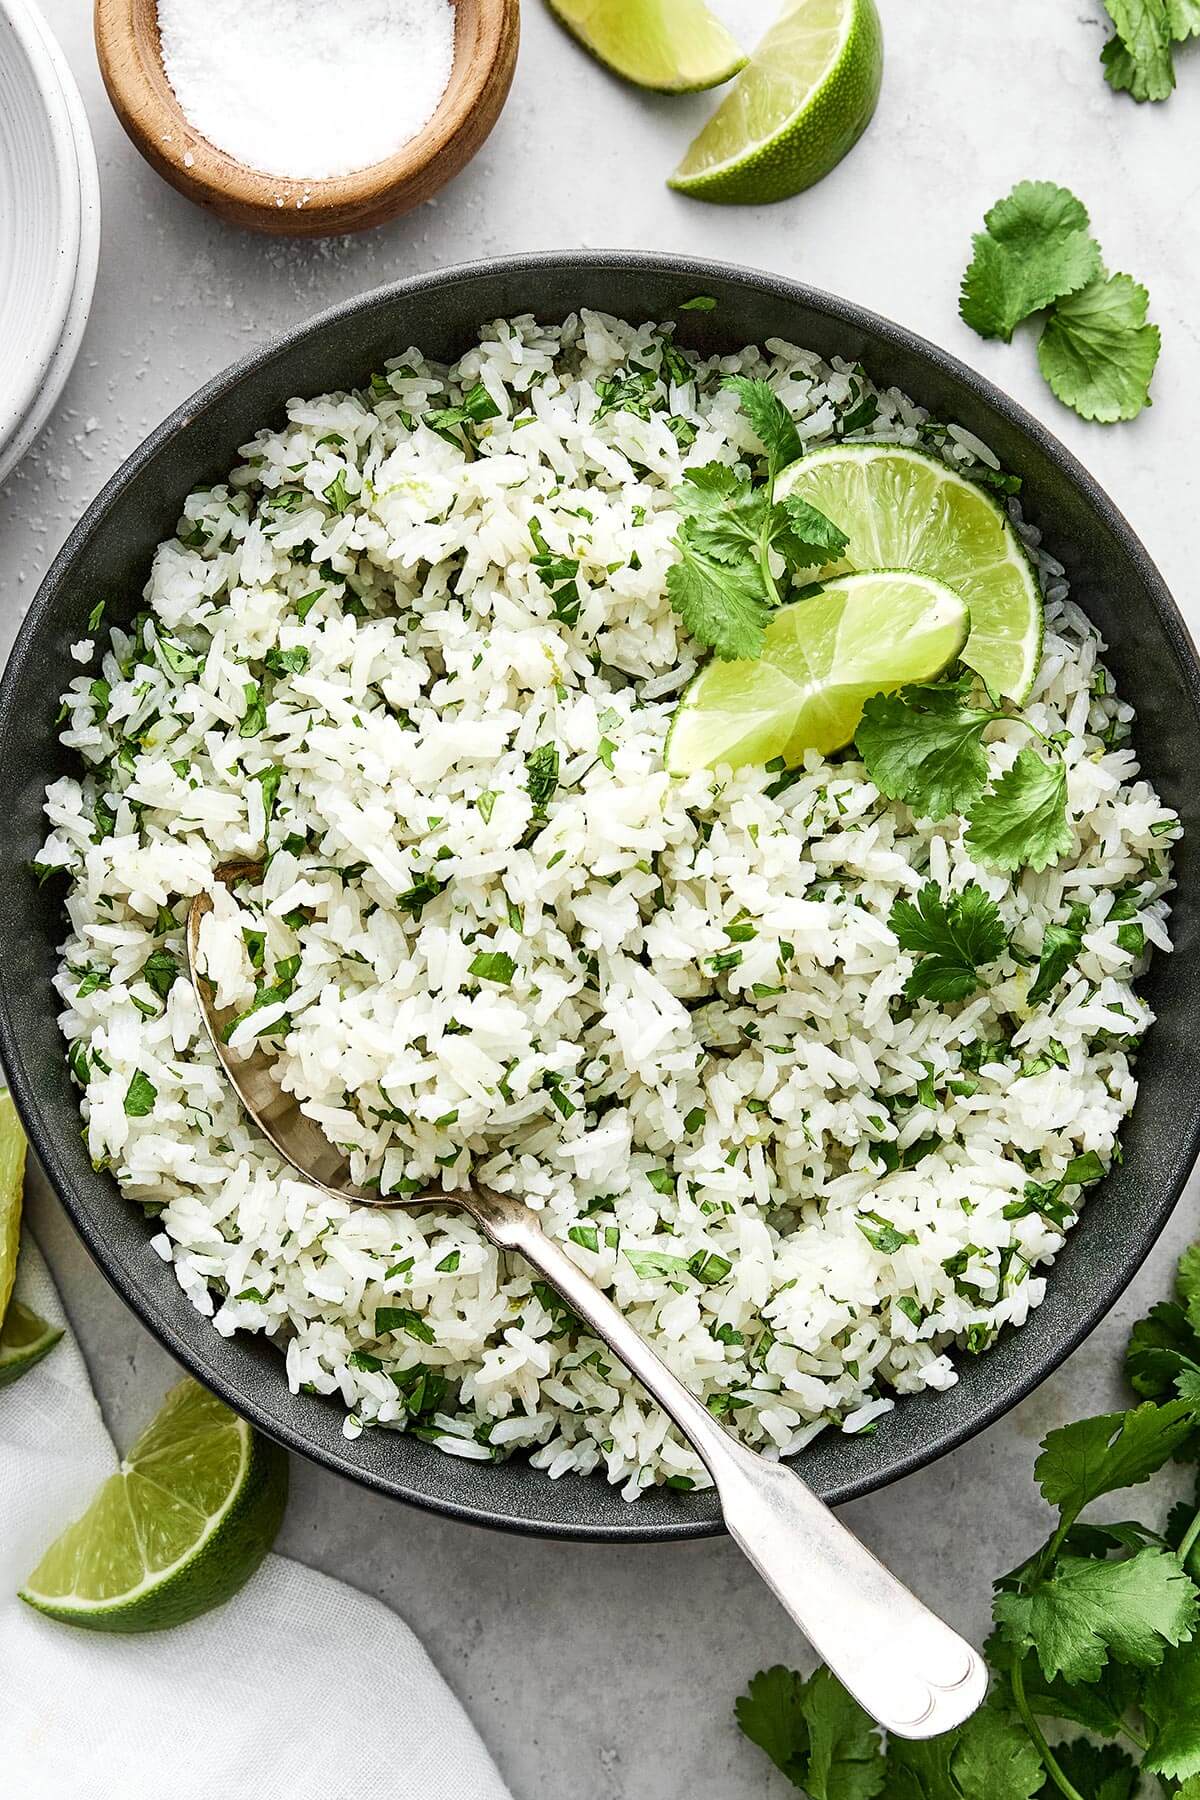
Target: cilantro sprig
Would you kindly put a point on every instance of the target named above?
(1099, 1628)
(1139, 57)
(1036, 254)
(923, 745)
(723, 585)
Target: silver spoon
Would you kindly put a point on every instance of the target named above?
(902, 1663)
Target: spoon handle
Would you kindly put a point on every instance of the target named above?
(902, 1663)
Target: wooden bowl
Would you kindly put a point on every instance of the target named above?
(486, 33)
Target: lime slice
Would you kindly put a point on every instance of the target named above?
(676, 46)
(823, 657)
(804, 99)
(24, 1340)
(905, 510)
(184, 1522)
(12, 1176)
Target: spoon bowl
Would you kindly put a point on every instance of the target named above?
(486, 34)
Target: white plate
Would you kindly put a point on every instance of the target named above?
(49, 226)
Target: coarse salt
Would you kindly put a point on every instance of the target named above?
(303, 89)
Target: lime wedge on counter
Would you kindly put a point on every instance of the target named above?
(12, 1177)
(24, 1340)
(803, 100)
(676, 46)
(903, 509)
(179, 1528)
(823, 657)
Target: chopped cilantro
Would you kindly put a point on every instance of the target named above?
(493, 965)
(952, 936)
(140, 1096)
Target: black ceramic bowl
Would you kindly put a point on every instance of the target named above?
(108, 555)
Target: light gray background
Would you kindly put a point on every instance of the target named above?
(600, 1673)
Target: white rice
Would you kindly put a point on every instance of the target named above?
(703, 1054)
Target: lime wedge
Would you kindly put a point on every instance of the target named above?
(24, 1340)
(676, 46)
(823, 658)
(905, 510)
(12, 1176)
(179, 1528)
(804, 99)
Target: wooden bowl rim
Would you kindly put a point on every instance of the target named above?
(138, 88)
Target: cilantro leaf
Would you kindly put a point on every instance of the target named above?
(770, 419)
(995, 1756)
(1086, 1609)
(140, 1096)
(1163, 1349)
(920, 1770)
(815, 1732)
(952, 935)
(1060, 946)
(493, 965)
(1187, 1284)
(845, 1761)
(722, 515)
(1102, 1772)
(1036, 247)
(1080, 1462)
(1100, 1705)
(1183, 17)
(1171, 1703)
(769, 1713)
(923, 746)
(1023, 820)
(803, 535)
(725, 606)
(1137, 58)
(1097, 351)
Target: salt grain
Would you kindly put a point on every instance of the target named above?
(302, 89)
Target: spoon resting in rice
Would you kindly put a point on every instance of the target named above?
(909, 1670)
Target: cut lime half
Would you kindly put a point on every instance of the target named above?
(823, 658)
(12, 1177)
(804, 99)
(179, 1528)
(24, 1340)
(903, 509)
(676, 46)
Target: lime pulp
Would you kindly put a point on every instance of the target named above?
(24, 1340)
(822, 659)
(676, 46)
(904, 509)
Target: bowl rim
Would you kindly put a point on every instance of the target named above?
(849, 314)
(84, 182)
(49, 85)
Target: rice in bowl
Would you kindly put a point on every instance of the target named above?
(418, 652)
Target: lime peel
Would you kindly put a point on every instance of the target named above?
(155, 1549)
(802, 102)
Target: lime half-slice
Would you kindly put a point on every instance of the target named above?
(676, 46)
(178, 1529)
(12, 1176)
(903, 509)
(823, 657)
(804, 99)
(24, 1340)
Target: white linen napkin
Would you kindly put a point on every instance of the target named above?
(299, 1688)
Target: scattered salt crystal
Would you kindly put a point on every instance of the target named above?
(302, 89)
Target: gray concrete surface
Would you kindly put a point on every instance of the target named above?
(610, 1674)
